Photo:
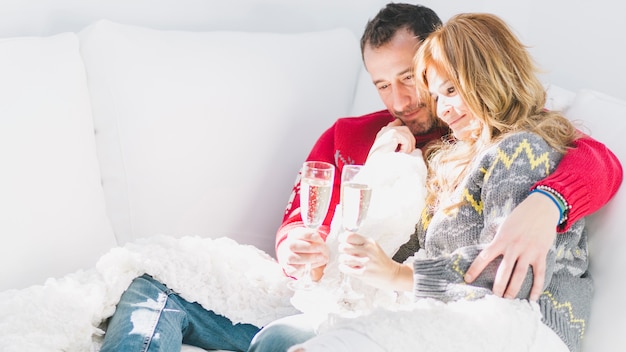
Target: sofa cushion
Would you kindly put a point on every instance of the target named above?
(558, 98)
(52, 212)
(604, 118)
(202, 133)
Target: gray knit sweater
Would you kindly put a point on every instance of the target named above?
(500, 179)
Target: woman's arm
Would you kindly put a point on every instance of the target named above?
(528, 249)
(587, 177)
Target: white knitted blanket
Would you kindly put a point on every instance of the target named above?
(234, 280)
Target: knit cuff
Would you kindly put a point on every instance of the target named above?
(574, 190)
(442, 277)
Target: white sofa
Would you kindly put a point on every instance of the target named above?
(118, 132)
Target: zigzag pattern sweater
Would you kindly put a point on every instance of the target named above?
(498, 181)
(588, 175)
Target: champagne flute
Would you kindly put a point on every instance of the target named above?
(355, 200)
(316, 188)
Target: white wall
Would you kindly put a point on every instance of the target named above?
(42, 17)
(578, 43)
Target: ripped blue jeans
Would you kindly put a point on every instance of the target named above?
(150, 318)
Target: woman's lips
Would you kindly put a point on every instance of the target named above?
(451, 123)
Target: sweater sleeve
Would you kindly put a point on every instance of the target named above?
(587, 177)
(519, 161)
(514, 165)
(323, 150)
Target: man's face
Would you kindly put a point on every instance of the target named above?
(391, 70)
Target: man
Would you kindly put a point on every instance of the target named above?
(388, 45)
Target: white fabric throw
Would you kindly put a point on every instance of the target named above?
(247, 285)
(234, 280)
(238, 281)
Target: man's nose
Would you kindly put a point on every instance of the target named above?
(403, 97)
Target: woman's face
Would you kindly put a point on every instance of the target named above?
(451, 108)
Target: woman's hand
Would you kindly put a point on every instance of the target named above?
(362, 257)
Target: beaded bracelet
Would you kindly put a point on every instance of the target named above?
(562, 204)
(561, 199)
(555, 200)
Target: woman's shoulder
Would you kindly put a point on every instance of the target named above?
(513, 145)
(522, 139)
(516, 151)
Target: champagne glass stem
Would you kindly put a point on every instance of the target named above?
(346, 286)
(347, 292)
(306, 275)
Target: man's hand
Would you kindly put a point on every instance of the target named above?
(395, 137)
(523, 239)
(302, 246)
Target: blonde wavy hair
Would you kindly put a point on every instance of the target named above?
(497, 79)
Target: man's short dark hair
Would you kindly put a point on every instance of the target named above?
(418, 19)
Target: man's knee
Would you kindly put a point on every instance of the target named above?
(282, 334)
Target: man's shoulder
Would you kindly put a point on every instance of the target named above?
(377, 119)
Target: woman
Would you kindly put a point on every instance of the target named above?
(483, 84)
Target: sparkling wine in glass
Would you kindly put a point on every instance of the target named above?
(355, 200)
(316, 188)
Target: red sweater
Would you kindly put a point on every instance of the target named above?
(587, 176)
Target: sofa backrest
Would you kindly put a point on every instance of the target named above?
(196, 133)
(604, 118)
(52, 209)
(203, 133)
